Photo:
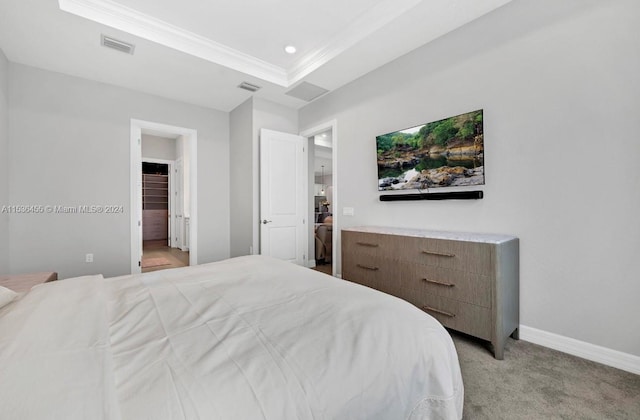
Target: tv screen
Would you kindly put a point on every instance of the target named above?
(444, 153)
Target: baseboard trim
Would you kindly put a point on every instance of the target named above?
(609, 357)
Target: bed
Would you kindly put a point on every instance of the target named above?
(245, 338)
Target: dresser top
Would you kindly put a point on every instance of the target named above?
(24, 282)
(490, 238)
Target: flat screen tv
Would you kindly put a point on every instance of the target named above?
(444, 153)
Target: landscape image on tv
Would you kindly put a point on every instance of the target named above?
(444, 153)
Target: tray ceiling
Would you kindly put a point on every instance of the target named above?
(199, 51)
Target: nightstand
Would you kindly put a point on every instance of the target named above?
(24, 282)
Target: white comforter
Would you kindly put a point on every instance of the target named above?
(246, 338)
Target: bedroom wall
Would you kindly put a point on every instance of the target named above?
(70, 146)
(241, 186)
(559, 88)
(4, 162)
(156, 147)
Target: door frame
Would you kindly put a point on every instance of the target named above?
(183, 243)
(308, 133)
(172, 187)
(135, 185)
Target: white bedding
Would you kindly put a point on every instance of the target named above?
(246, 338)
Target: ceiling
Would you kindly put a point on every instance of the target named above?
(199, 51)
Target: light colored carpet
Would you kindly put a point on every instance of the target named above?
(154, 262)
(534, 382)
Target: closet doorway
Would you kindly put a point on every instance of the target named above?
(162, 246)
(175, 147)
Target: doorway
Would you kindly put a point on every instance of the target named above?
(323, 201)
(180, 245)
(161, 201)
(323, 197)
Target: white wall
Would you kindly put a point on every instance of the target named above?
(156, 147)
(69, 145)
(4, 163)
(241, 188)
(558, 82)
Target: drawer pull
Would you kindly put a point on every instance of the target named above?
(439, 283)
(439, 254)
(438, 311)
(367, 267)
(368, 244)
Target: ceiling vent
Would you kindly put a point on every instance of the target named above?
(115, 44)
(307, 91)
(248, 86)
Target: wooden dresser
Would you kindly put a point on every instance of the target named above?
(468, 281)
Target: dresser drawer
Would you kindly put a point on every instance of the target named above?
(419, 279)
(368, 270)
(389, 246)
(470, 319)
(460, 255)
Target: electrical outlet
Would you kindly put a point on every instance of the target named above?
(347, 211)
(88, 258)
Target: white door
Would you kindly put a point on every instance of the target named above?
(170, 206)
(283, 196)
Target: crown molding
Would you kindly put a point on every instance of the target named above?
(376, 18)
(126, 19)
(144, 26)
(121, 17)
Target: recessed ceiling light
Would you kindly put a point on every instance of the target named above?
(290, 49)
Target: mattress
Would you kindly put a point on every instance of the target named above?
(245, 338)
